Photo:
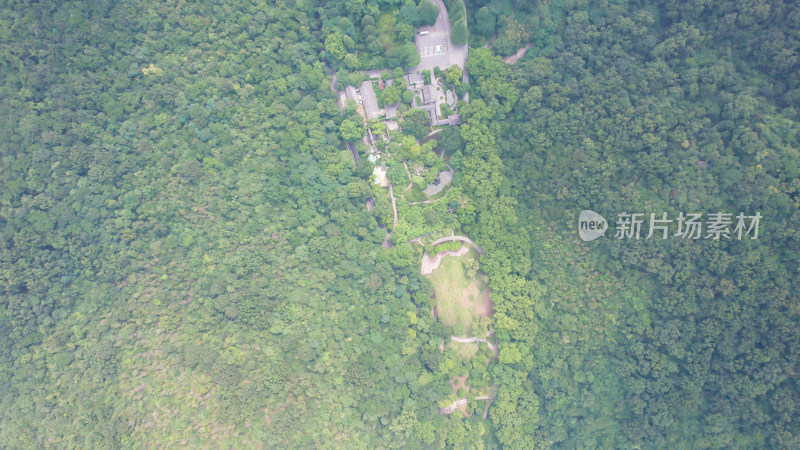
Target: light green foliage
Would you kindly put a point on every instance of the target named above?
(377, 126)
(392, 94)
(351, 130)
(191, 249)
(334, 45)
(426, 76)
(408, 97)
(453, 74)
(403, 255)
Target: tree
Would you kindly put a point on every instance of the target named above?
(364, 168)
(392, 94)
(417, 123)
(458, 34)
(408, 141)
(334, 46)
(377, 126)
(450, 141)
(409, 13)
(402, 255)
(532, 98)
(426, 76)
(355, 78)
(484, 22)
(351, 131)
(408, 97)
(414, 151)
(471, 265)
(453, 74)
(428, 12)
(351, 61)
(405, 55)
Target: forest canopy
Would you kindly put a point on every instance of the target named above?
(187, 258)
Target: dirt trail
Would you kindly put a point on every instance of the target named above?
(519, 54)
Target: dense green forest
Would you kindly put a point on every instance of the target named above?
(186, 258)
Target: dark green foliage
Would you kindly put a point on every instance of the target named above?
(183, 239)
(366, 36)
(409, 13)
(184, 243)
(450, 141)
(458, 35)
(417, 123)
(428, 12)
(484, 22)
(458, 22)
(638, 343)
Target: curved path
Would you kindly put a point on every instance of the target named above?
(419, 239)
(410, 183)
(492, 347)
(458, 238)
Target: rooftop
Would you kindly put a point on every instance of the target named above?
(426, 94)
(369, 100)
(414, 78)
(391, 111)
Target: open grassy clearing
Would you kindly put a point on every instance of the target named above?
(459, 299)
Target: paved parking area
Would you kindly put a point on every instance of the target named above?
(432, 50)
(434, 46)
